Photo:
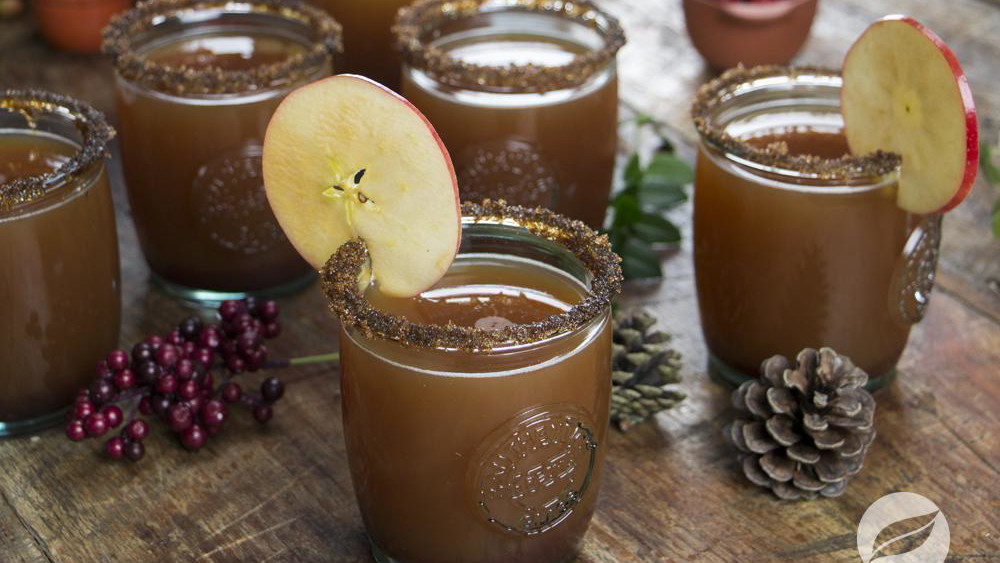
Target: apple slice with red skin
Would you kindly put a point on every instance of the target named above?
(904, 92)
(345, 158)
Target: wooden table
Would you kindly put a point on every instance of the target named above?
(672, 490)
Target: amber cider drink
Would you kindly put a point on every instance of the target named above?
(798, 243)
(195, 91)
(481, 455)
(524, 118)
(369, 45)
(59, 282)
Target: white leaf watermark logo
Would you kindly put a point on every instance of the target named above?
(916, 528)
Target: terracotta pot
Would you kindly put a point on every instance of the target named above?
(752, 33)
(75, 25)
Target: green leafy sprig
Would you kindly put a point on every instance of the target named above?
(637, 222)
(992, 174)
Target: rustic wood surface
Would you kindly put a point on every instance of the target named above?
(671, 491)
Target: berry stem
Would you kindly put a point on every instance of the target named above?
(303, 361)
(317, 359)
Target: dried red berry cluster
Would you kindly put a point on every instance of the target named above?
(171, 378)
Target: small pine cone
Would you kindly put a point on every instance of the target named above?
(804, 430)
(642, 363)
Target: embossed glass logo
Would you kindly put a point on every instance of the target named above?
(534, 469)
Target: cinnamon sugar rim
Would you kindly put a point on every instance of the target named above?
(91, 124)
(775, 156)
(348, 302)
(212, 80)
(419, 20)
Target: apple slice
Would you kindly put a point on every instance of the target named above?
(904, 92)
(346, 158)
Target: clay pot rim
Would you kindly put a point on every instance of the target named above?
(82, 3)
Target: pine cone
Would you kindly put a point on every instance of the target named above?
(642, 362)
(806, 428)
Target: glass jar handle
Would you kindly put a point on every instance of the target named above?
(915, 273)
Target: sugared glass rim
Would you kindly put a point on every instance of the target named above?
(91, 124)
(593, 250)
(775, 158)
(415, 22)
(212, 80)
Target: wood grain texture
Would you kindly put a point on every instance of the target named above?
(671, 490)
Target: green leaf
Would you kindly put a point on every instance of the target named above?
(653, 229)
(617, 238)
(633, 173)
(627, 211)
(990, 170)
(667, 169)
(660, 197)
(996, 219)
(639, 261)
(644, 119)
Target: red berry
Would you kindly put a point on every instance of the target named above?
(268, 311)
(195, 403)
(188, 348)
(124, 379)
(248, 341)
(137, 430)
(190, 327)
(204, 356)
(142, 352)
(251, 305)
(96, 425)
(188, 389)
(263, 413)
(146, 405)
(167, 356)
(213, 413)
(167, 384)
(113, 415)
(175, 338)
(161, 404)
(255, 360)
(230, 309)
(135, 450)
(272, 389)
(180, 417)
(235, 364)
(272, 330)
(208, 381)
(194, 438)
(147, 372)
(102, 391)
(103, 369)
(115, 448)
(75, 431)
(154, 341)
(84, 408)
(118, 360)
(210, 337)
(231, 392)
(184, 369)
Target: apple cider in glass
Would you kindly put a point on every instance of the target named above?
(463, 452)
(369, 45)
(197, 83)
(59, 279)
(797, 243)
(524, 96)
